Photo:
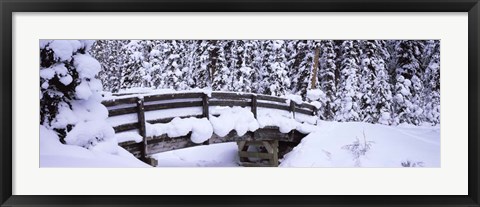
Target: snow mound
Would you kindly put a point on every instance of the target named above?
(295, 98)
(200, 127)
(55, 154)
(315, 94)
(233, 118)
(285, 122)
(128, 136)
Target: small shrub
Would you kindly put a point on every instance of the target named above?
(358, 148)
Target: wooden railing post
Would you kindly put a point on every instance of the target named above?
(292, 107)
(205, 112)
(141, 126)
(205, 105)
(254, 105)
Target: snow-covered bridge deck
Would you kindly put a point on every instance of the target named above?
(145, 127)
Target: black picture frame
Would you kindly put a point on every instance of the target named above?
(6, 136)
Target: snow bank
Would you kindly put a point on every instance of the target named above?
(331, 146)
(55, 154)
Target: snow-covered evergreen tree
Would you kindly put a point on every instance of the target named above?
(108, 53)
(70, 95)
(326, 76)
(276, 77)
(301, 69)
(243, 62)
(222, 78)
(133, 72)
(348, 90)
(431, 79)
(375, 88)
(408, 97)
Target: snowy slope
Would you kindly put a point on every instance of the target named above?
(389, 146)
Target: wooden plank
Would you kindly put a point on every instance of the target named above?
(155, 107)
(269, 134)
(268, 146)
(119, 101)
(252, 164)
(232, 137)
(271, 98)
(254, 105)
(260, 155)
(306, 105)
(132, 147)
(274, 160)
(273, 106)
(169, 119)
(125, 127)
(164, 143)
(122, 111)
(172, 96)
(241, 145)
(229, 103)
(205, 105)
(304, 111)
(231, 96)
(141, 127)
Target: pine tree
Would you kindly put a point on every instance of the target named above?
(222, 78)
(276, 73)
(409, 87)
(108, 53)
(431, 79)
(242, 71)
(70, 99)
(301, 69)
(326, 76)
(349, 85)
(202, 62)
(133, 72)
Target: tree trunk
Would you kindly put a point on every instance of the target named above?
(315, 67)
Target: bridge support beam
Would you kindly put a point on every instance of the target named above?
(150, 161)
(258, 153)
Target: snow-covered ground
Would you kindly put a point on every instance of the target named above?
(333, 145)
(214, 155)
(55, 154)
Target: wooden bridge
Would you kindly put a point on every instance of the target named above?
(273, 143)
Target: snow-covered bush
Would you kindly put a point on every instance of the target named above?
(70, 95)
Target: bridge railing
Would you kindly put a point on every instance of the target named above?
(145, 103)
